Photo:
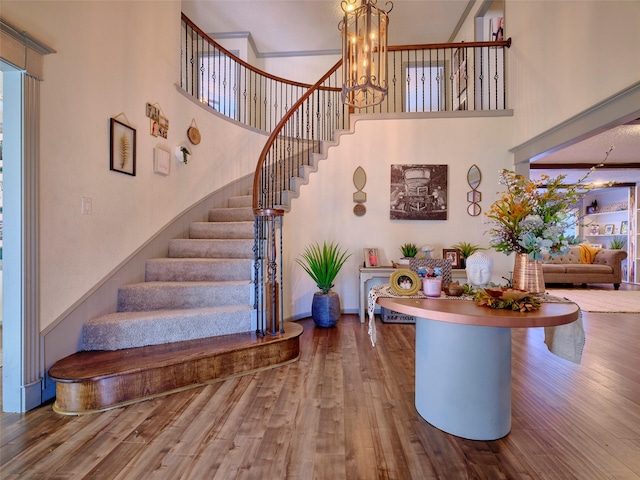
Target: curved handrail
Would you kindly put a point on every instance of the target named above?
(239, 60)
(443, 46)
(278, 129)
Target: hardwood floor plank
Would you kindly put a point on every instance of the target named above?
(345, 410)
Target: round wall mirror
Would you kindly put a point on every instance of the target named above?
(474, 176)
(474, 209)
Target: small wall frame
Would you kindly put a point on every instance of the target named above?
(162, 161)
(122, 148)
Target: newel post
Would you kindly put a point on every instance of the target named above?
(268, 284)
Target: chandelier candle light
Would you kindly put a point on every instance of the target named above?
(364, 52)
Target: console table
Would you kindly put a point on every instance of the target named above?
(383, 273)
(463, 360)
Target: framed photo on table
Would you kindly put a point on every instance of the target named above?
(371, 257)
(453, 255)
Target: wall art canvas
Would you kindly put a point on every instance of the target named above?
(418, 192)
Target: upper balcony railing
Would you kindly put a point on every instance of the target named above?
(422, 78)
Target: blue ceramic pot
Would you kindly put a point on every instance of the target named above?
(325, 309)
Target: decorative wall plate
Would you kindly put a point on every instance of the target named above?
(194, 135)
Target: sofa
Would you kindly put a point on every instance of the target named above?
(585, 264)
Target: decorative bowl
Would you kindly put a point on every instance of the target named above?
(453, 289)
(507, 293)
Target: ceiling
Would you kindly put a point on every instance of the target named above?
(312, 26)
(625, 140)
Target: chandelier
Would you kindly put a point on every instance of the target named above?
(364, 53)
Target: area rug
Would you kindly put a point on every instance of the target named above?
(609, 301)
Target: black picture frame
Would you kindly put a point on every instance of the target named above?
(122, 150)
(418, 192)
(453, 255)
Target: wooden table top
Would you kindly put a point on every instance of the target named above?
(471, 313)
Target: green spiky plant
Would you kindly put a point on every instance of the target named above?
(467, 249)
(617, 243)
(409, 250)
(323, 263)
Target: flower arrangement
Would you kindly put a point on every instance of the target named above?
(532, 216)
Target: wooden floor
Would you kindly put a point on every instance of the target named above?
(345, 410)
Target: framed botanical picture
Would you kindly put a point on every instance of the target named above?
(624, 227)
(123, 148)
(453, 255)
(371, 257)
(608, 229)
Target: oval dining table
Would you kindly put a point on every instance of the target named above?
(463, 360)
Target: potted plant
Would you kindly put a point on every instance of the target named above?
(323, 263)
(617, 243)
(466, 250)
(409, 250)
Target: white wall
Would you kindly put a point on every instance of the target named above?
(119, 56)
(567, 56)
(324, 210)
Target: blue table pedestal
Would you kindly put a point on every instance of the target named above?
(463, 378)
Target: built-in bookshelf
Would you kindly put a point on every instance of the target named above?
(611, 213)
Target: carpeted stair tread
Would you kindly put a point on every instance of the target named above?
(120, 330)
(239, 214)
(198, 269)
(211, 248)
(220, 230)
(137, 297)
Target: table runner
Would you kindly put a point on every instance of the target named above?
(565, 341)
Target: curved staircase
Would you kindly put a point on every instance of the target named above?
(191, 321)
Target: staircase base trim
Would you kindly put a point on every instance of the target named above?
(114, 389)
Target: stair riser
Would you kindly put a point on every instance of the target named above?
(198, 270)
(149, 296)
(167, 327)
(237, 202)
(243, 214)
(221, 230)
(197, 248)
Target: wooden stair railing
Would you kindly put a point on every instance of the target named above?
(289, 148)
